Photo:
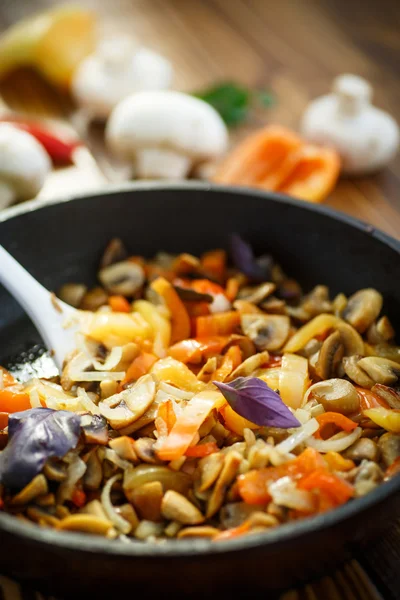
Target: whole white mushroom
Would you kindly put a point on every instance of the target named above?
(165, 134)
(117, 69)
(24, 165)
(366, 137)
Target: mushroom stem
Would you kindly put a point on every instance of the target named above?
(161, 163)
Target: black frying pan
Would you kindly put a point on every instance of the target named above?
(62, 242)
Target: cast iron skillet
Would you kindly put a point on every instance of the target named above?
(62, 242)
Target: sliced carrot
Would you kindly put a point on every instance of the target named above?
(119, 304)
(234, 532)
(310, 173)
(259, 158)
(219, 324)
(140, 366)
(187, 425)
(79, 498)
(213, 264)
(336, 462)
(334, 418)
(370, 400)
(202, 450)
(321, 479)
(13, 401)
(180, 322)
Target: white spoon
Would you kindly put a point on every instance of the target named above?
(49, 315)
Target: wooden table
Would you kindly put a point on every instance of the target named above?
(294, 48)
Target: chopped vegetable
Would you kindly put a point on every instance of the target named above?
(331, 484)
(119, 304)
(219, 324)
(202, 450)
(386, 418)
(180, 322)
(336, 419)
(293, 379)
(140, 366)
(254, 400)
(369, 399)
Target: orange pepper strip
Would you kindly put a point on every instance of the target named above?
(321, 479)
(232, 289)
(187, 425)
(180, 322)
(259, 158)
(167, 414)
(337, 419)
(218, 324)
(213, 264)
(310, 173)
(336, 462)
(235, 422)
(119, 304)
(187, 351)
(140, 366)
(370, 400)
(230, 534)
(253, 486)
(202, 450)
(7, 378)
(13, 401)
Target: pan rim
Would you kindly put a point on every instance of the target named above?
(191, 548)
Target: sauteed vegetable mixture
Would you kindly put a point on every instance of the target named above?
(203, 400)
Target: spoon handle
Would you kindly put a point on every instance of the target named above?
(47, 316)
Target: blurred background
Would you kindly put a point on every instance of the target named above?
(288, 49)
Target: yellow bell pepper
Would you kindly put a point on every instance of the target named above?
(384, 417)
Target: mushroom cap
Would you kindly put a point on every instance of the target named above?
(24, 163)
(117, 69)
(166, 120)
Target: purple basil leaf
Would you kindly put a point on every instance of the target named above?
(254, 400)
(34, 436)
(244, 260)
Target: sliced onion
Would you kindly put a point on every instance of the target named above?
(71, 404)
(114, 458)
(96, 375)
(34, 398)
(174, 391)
(220, 304)
(302, 415)
(113, 359)
(121, 524)
(87, 402)
(299, 436)
(285, 493)
(336, 443)
(75, 472)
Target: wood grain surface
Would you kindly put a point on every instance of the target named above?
(293, 48)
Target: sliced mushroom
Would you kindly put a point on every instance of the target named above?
(55, 470)
(37, 487)
(363, 449)
(95, 508)
(249, 365)
(186, 264)
(108, 388)
(355, 373)
(289, 290)
(202, 531)
(148, 529)
(128, 406)
(210, 467)
(95, 430)
(246, 308)
(363, 308)
(392, 396)
(381, 370)
(317, 301)
(351, 339)
(256, 294)
(125, 447)
(389, 443)
(369, 476)
(86, 524)
(94, 298)
(176, 507)
(72, 293)
(144, 447)
(268, 332)
(43, 517)
(311, 348)
(124, 278)
(387, 351)
(381, 331)
(336, 395)
(226, 477)
(115, 252)
(274, 305)
(330, 355)
(147, 500)
(339, 304)
(128, 513)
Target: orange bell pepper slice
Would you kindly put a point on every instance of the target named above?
(201, 450)
(180, 321)
(234, 532)
(140, 366)
(339, 490)
(167, 414)
(336, 462)
(369, 399)
(219, 324)
(7, 378)
(310, 173)
(12, 401)
(213, 264)
(232, 288)
(334, 418)
(119, 304)
(235, 422)
(259, 158)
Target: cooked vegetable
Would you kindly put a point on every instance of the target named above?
(251, 398)
(153, 434)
